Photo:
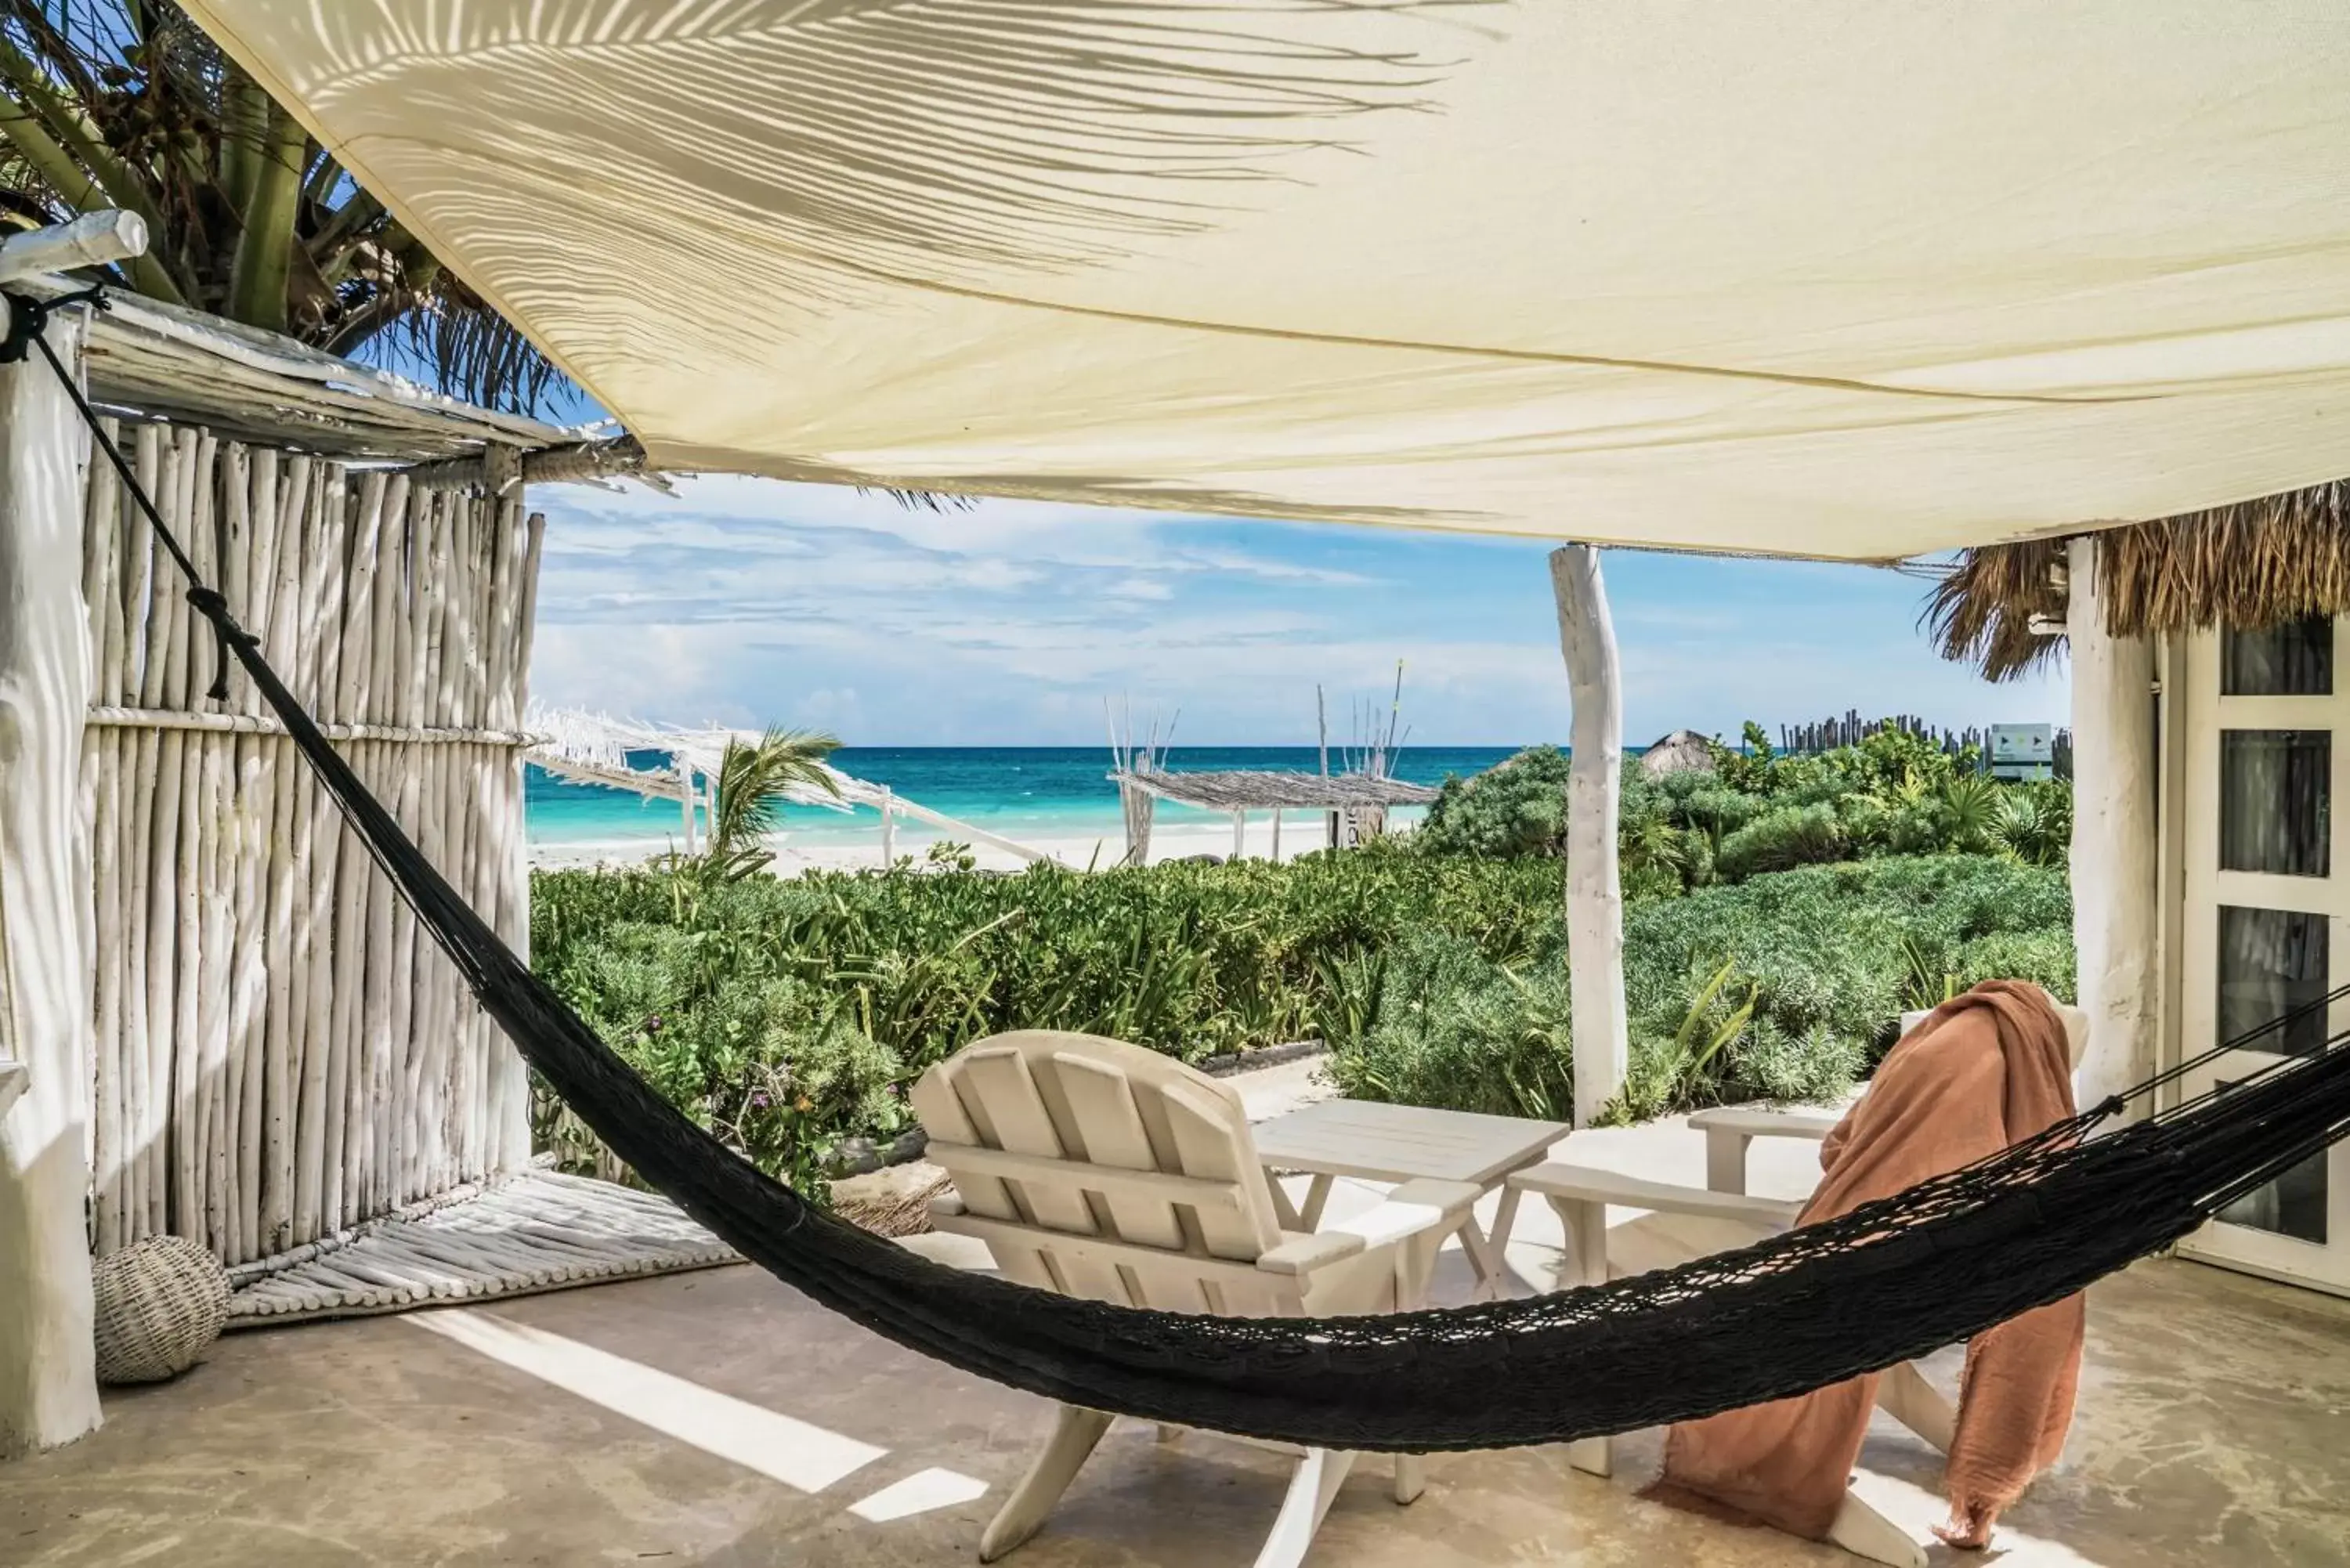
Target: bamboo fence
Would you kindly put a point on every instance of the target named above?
(280, 1056)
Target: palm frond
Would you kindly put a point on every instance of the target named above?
(752, 782)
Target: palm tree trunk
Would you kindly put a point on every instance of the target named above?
(264, 246)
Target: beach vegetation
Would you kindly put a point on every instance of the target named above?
(790, 1014)
(1759, 811)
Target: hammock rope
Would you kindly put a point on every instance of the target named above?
(1891, 1280)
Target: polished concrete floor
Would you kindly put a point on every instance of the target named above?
(716, 1418)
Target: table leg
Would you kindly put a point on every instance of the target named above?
(1284, 1212)
(1310, 1217)
(1480, 1261)
(1496, 1265)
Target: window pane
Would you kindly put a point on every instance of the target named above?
(2295, 659)
(2272, 961)
(2293, 1205)
(2276, 801)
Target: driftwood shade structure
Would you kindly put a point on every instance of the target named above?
(599, 749)
(1350, 800)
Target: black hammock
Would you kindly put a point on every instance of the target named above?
(1894, 1280)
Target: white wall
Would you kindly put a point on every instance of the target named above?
(49, 1394)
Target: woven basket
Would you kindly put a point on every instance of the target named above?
(159, 1305)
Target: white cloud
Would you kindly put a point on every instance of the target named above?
(748, 601)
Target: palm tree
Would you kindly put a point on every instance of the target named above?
(752, 781)
(127, 104)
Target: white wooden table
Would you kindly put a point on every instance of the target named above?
(1375, 1142)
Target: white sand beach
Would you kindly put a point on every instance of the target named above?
(794, 854)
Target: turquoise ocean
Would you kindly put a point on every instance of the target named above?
(1024, 792)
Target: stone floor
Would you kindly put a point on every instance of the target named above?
(716, 1418)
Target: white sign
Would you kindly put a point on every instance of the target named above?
(2022, 751)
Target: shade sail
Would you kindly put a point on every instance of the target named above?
(1819, 278)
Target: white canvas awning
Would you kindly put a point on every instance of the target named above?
(1823, 277)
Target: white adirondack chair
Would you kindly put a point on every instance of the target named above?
(1581, 1196)
(1100, 1170)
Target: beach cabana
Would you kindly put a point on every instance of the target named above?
(1784, 279)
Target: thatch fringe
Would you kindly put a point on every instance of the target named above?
(2251, 565)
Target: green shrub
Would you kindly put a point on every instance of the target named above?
(1457, 1030)
(1785, 838)
(1516, 808)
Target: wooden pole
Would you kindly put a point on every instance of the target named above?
(48, 1387)
(1277, 836)
(889, 828)
(1240, 830)
(1594, 897)
(2115, 844)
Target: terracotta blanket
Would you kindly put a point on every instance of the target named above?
(1983, 1071)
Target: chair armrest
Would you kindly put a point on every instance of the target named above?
(1411, 1209)
(1752, 1122)
(1301, 1253)
(13, 1081)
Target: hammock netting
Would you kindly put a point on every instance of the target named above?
(1891, 1280)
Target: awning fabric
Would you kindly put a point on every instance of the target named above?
(1818, 277)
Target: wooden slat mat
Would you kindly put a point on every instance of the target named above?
(539, 1231)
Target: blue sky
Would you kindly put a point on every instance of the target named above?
(749, 602)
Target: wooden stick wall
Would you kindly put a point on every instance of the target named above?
(279, 1053)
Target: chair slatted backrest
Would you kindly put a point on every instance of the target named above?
(1102, 1169)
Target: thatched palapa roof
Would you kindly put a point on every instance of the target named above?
(2254, 564)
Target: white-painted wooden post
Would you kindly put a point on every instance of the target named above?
(1277, 836)
(48, 1389)
(93, 238)
(2114, 843)
(1239, 832)
(889, 828)
(1594, 897)
(685, 801)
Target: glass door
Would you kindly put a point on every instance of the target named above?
(2267, 919)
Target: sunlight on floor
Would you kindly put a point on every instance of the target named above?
(803, 1457)
(919, 1493)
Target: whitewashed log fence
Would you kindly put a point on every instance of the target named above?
(280, 1053)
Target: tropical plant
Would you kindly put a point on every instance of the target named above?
(2034, 823)
(754, 780)
(1657, 1080)
(1973, 804)
(127, 104)
(1518, 807)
